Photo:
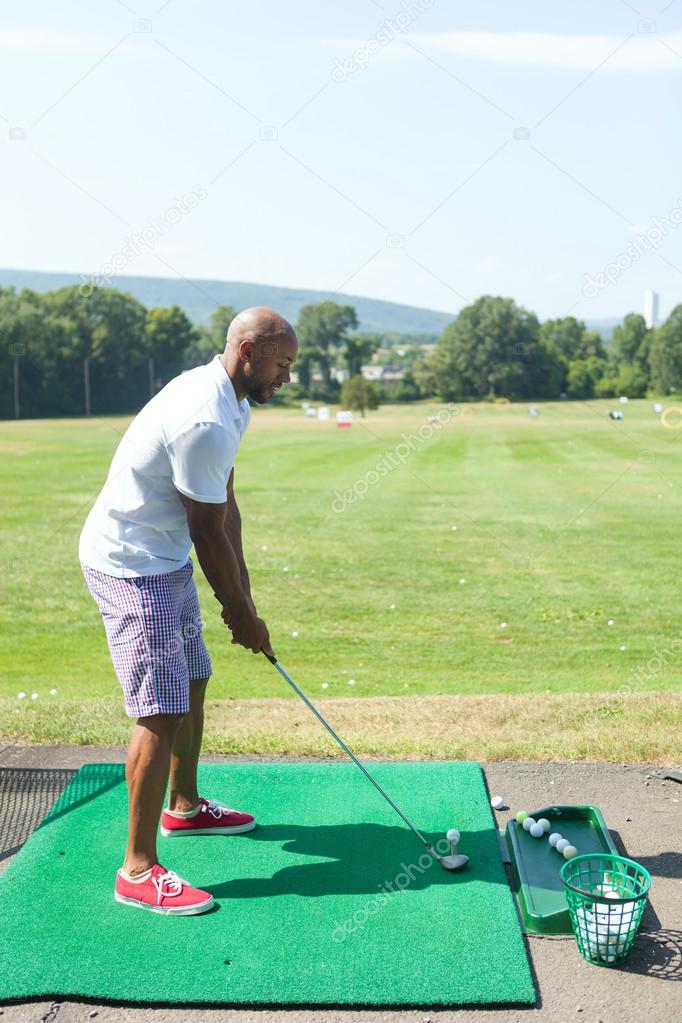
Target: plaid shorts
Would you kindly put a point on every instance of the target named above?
(153, 626)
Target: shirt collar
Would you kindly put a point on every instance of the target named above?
(238, 409)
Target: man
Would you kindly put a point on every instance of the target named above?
(171, 484)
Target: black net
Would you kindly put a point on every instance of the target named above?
(26, 796)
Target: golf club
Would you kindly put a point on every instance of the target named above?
(455, 862)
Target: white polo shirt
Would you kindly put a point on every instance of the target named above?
(185, 438)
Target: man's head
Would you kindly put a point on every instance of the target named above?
(261, 346)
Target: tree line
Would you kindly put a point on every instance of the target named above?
(51, 342)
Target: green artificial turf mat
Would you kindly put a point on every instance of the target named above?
(309, 910)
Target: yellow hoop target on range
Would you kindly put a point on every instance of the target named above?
(672, 410)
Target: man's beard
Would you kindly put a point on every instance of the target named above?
(260, 393)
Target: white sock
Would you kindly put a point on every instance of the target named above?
(192, 813)
(138, 879)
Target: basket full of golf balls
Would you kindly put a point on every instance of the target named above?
(606, 895)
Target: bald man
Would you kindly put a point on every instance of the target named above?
(171, 484)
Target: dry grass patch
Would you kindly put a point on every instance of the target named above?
(637, 728)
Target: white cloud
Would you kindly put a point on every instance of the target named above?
(643, 52)
(51, 41)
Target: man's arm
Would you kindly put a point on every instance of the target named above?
(221, 566)
(233, 531)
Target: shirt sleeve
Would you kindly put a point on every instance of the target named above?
(201, 461)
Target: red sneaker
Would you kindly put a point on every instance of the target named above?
(162, 892)
(211, 819)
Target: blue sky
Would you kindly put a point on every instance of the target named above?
(418, 151)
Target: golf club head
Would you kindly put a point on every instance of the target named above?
(455, 862)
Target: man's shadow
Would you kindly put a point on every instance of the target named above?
(349, 859)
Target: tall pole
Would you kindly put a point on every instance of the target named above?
(16, 387)
(86, 381)
(151, 377)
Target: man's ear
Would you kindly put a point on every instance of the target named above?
(246, 351)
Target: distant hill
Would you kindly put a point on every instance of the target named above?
(198, 299)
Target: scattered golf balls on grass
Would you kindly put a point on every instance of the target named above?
(21, 696)
(34, 696)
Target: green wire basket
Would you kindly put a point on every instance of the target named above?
(606, 895)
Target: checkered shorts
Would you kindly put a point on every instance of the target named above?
(153, 626)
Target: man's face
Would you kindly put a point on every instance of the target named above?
(267, 368)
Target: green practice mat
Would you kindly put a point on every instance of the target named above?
(330, 901)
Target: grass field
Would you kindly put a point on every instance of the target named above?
(555, 526)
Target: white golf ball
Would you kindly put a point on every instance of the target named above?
(569, 851)
(286, 568)
(53, 692)
(503, 625)
(325, 685)
(34, 696)
(554, 838)
(351, 681)
(537, 830)
(462, 581)
(21, 696)
(528, 823)
(545, 824)
(264, 547)
(392, 607)
(562, 844)
(294, 634)
(497, 802)
(452, 835)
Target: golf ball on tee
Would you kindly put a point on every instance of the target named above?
(569, 852)
(452, 835)
(554, 838)
(536, 829)
(528, 823)
(562, 844)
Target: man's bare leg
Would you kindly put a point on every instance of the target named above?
(184, 796)
(147, 766)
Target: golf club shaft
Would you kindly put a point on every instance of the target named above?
(285, 675)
